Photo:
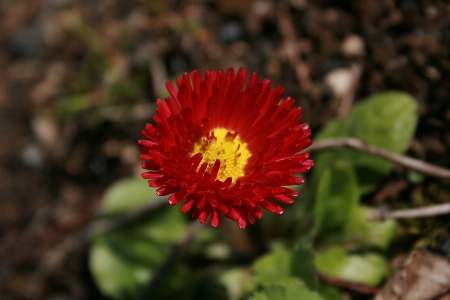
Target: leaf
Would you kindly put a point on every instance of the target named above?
(386, 120)
(273, 266)
(123, 92)
(275, 292)
(113, 275)
(298, 290)
(260, 296)
(303, 265)
(338, 217)
(290, 288)
(337, 198)
(272, 292)
(127, 194)
(368, 269)
(138, 249)
(238, 281)
(370, 233)
(166, 226)
(415, 177)
(206, 287)
(72, 104)
(329, 292)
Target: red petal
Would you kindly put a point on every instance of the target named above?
(178, 197)
(242, 224)
(215, 170)
(215, 218)
(203, 216)
(166, 190)
(283, 199)
(152, 175)
(188, 205)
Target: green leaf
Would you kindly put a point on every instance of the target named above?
(260, 296)
(368, 269)
(206, 287)
(303, 265)
(338, 216)
(138, 249)
(238, 281)
(73, 104)
(127, 194)
(124, 92)
(415, 177)
(337, 199)
(329, 292)
(166, 226)
(135, 251)
(273, 266)
(272, 292)
(295, 289)
(290, 288)
(275, 292)
(370, 233)
(115, 276)
(386, 120)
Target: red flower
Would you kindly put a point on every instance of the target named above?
(223, 146)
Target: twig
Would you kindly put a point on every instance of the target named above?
(356, 69)
(171, 258)
(422, 212)
(287, 31)
(157, 70)
(403, 160)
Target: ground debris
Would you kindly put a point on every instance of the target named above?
(422, 276)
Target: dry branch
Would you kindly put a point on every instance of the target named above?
(422, 212)
(347, 100)
(406, 161)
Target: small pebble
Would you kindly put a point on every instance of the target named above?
(98, 165)
(29, 42)
(231, 32)
(32, 156)
(339, 81)
(46, 130)
(262, 9)
(432, 73)
(353, 46)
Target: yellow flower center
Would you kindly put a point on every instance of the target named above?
(226, 146)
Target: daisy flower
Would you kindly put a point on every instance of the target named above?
(222, 146)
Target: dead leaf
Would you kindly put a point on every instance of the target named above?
(422, 276)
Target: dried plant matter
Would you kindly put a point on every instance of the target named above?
(422, 276)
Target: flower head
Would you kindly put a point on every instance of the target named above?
(222, 146)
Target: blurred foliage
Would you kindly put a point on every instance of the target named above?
(287, 289)
(368, 268)
(339, 242)
(133, 253)
(387, 120)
